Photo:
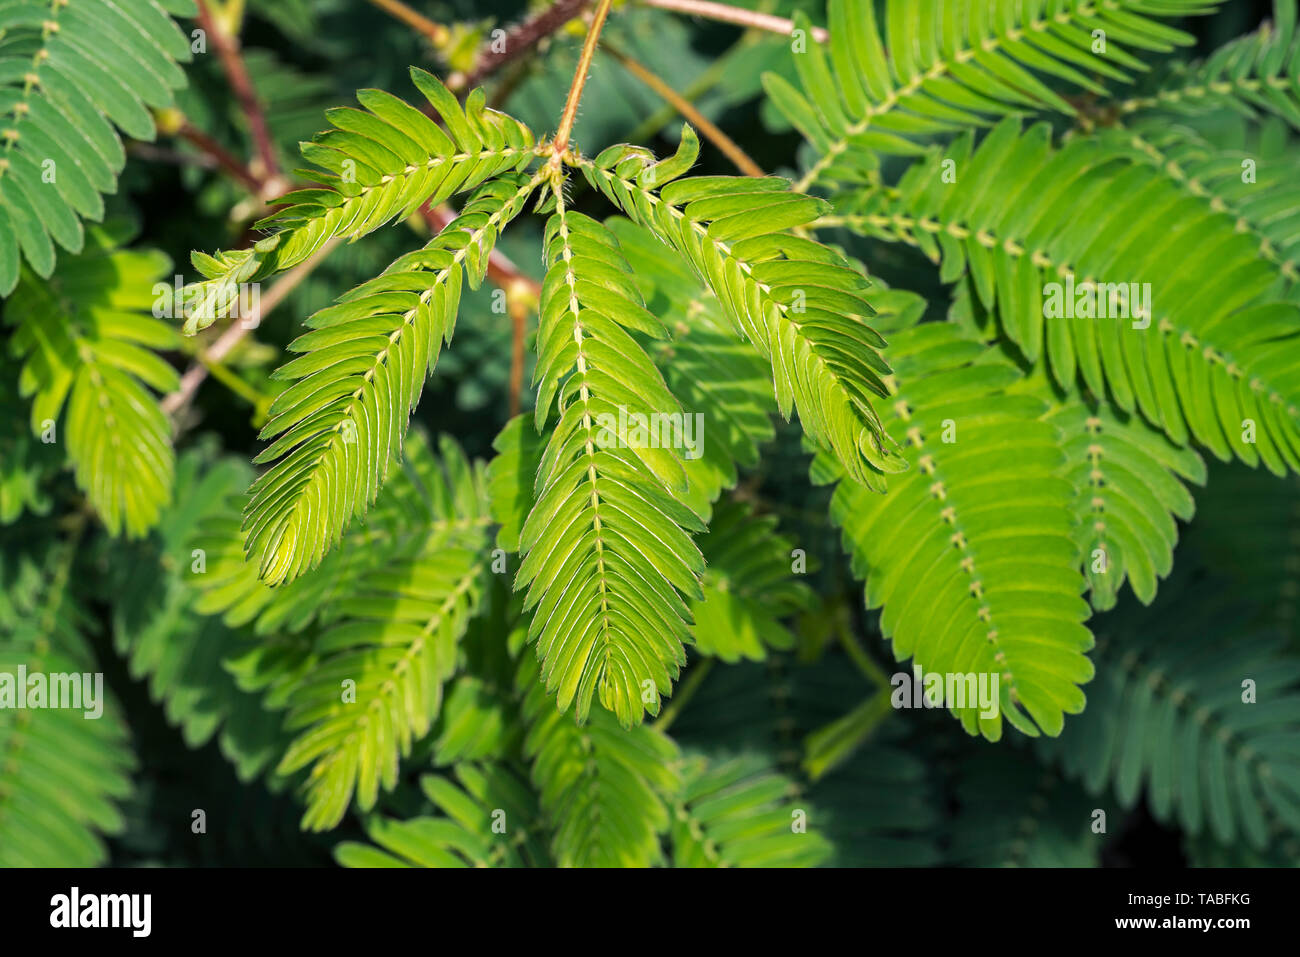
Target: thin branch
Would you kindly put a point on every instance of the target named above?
(683, 694)
(714, 74)
(223, 158)
(737, 15)
(162, 154)
(687, 109)
(436, 32)
(860, 657)
(227, 47)
(175, 403)
(561, 141)
(519, 310)
(518, 40)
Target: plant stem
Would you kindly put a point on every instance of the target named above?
(173, 404)
(223, 158)
(436, 32)
(561, 141)
(518, 307)
(227, 47)
(860, 658)
(687, 109)
(737, 15)
(685, 691)
(519, 39)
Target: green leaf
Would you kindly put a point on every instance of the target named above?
(374, 684)
(1207, 730)
(972, 553)
(73, 72)
(486, 821)
(607, 556)
(738, 812)
(602, 788)
(84, 339)
(341, 425)
(824, 356)
(937, 68)
(66, 768)
(380, 165)
(750, 586)
(1217, 358)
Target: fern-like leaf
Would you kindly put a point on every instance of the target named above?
(738, 812)
(1255, 74)
(486, 821)
(879, 807)
(749, 587)
(800, 304)
(152, 586)
(704, 365)
(65, 771)
(341, 424)
(377, 165)
(73, 74)
(1172, 714)
(608, 559)
(939, 67)
(1254, 184)
(972, 554)
(1014, 812)
(602, 788)
(375, 685)
(85, 338)
(1217, 354)
(1129, 481)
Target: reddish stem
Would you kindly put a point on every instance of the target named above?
(227, 47)
(519, 39)
(222, 157)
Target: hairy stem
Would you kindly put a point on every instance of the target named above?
(561, 141)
